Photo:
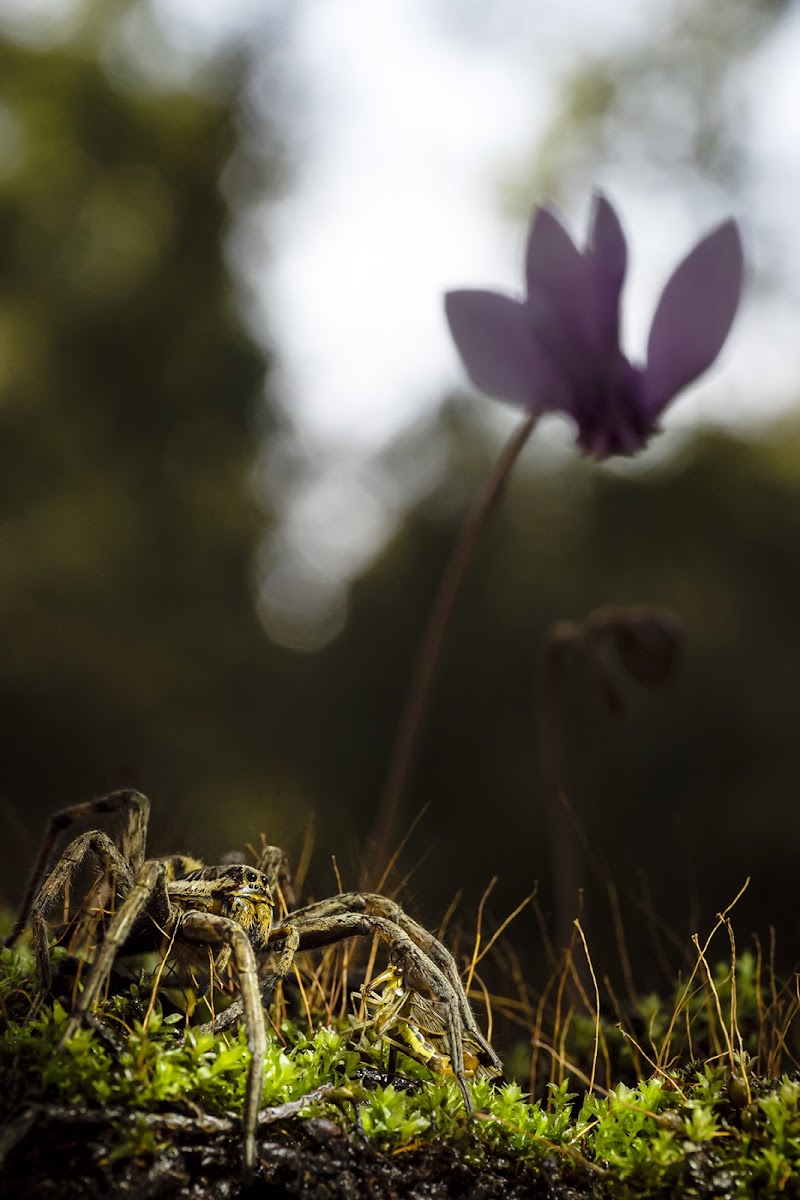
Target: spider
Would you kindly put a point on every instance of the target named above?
(153, 903)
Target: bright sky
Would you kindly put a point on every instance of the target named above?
(414, 113)
(409, 126)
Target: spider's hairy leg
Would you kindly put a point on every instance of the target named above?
(245, 895)
(373, 904)
(136, 808)
(208, 928)
(93, 843)
(429, 981)
(147, 894)
(323, 923)
(290, 936)
(441, 956)
(274, 863)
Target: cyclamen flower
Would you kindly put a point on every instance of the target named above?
(558, 349)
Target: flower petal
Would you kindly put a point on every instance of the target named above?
(694, 315)
(608, 254)
(558, 277)
(494, 338)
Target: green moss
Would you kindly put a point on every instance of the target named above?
(716, 1129)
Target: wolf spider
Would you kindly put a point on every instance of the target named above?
(160, 902)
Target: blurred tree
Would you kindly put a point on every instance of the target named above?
(666, 106)
(128, 426)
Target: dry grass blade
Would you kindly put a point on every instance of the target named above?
(597, 1004)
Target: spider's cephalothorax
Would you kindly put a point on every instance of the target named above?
(137, 904)
(242, 893)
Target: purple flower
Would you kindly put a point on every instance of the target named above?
(558, 349)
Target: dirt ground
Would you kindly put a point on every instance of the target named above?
(64, 1155)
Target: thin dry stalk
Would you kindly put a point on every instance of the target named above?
(487, 1004)
(718, 1006)
(151, 1003)
(619, 1021)
(544, 933)
(640, 1052)
(449, 913)
(518, 979)
(772, 973)
(780, 1030)
(596, 1010)
(336, 875)
(306, 851)
(323, 981)
(478, 929)
(400, 848)
(561, 1025)
(503, 926)
(537, 1040)
(304, 997)
(763, 1052)
(736, 1034)
(684, 998)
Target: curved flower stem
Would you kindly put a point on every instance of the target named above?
(428, 657)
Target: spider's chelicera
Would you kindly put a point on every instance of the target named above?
(177, 901)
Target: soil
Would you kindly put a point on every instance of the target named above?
(60, 1154)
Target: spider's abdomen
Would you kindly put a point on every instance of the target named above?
(241, 893)
(178, 866)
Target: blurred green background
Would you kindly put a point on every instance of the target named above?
(136, 412)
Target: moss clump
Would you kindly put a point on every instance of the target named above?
(164, 1102)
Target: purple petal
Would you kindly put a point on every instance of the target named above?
(608, 253)
(694, 315)
(493, 336)
(558, 277)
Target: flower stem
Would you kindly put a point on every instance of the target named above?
(426, 666)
